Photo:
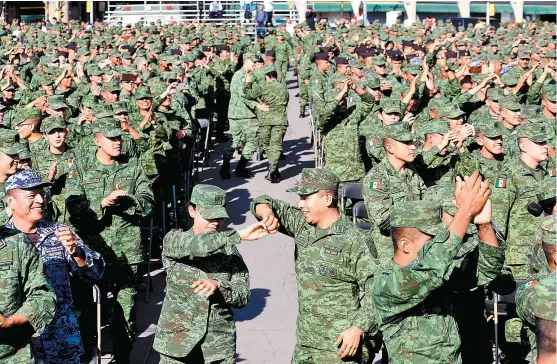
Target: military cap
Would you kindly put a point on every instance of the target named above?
(509, 79)
(533, 131)
(434, 126)
(549, 227)
(51, 123)
(89, 101)
(489, 128)
(143, 93)
(9, 142)
(351, 43)
(510, 103)
(390, 106)
(24, 151)
(25, 179)
(119, 107)
(336, 78)
(550, 92)
(321, 57)
(399, 131)
(28, 113)
(372, 82)
(524, 55)
(111, 87)
(413, 69)
(268, 69)
(450, 111)
(551, 54)
(56, 102)
(102, 110)
(356, 63)
(210, 201)
(463, 54)
(83, 51)
(422, 215)
(341, 60)
(545, 298)
(378, 60)
(495, 93)
(529, 111)
(475, 43)
(107, 126)
(314, 180)
(94, 71)
(270, 53)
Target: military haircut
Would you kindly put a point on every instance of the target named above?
(545, 336)
(272, 74)
(399, 233)
(548, 250)
(334, 194)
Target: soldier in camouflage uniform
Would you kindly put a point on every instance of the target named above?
(9, 150)
(107, 196)
(62, 253)
(545, 307)
(272, 122)
(206, 278)
(28, 124)
(28, 302)
(335, 262)
(411, 297)
(394, 179)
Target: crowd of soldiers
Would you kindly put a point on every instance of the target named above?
(449, 131)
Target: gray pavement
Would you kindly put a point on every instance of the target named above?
(266, 327)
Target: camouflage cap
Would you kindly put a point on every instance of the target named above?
(356, 63)
(102, 111)
(89, 101)
(489, 128)
(268, 69)
(372, 82)
(545, 298)
(450, 111)
(399, 131)
(422, 215)
(550, 92)
(390, 106)
(28, 113)
(314, 180)
(108, 126)
(495, 93)
(549, 228)
(24, 151)
(509, 79)
(25, 179)
(120, 107)
(51, 123)
(529, 111)
(111, 87)
(336, 78)
(210, 201)
(533, 131)
(95, 71)
(9, 142)
(143, 93)
(509, 103)
(434, 126)
(56, 102)
(378, 60)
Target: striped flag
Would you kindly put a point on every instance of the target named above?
(375, 185)
(501, 183)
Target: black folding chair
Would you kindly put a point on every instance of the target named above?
(359, 212)
(352, 191)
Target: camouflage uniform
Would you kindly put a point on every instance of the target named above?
(25, 291)
(333, 266)
(193, 328)
(112, 231)
(383, 186)
(8, 146)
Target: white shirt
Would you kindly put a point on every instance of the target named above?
(268, 5)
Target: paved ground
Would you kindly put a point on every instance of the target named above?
(266, 326)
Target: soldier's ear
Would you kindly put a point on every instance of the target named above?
(479, 140)
(405, 245)
(191, 211)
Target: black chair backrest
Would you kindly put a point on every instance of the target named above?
(359, 210)
(510, 298)
(352, 191)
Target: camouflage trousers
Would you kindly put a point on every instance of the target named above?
(270, 138)
(304, 94)
(282, 68)
(520, 271)
(198, 355)
(307, 355)
(244, 133)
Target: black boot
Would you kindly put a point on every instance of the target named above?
(241, 170)
(275, 176)
(225, 169)
(282, 156)
(302, 111)
(268, 177)
(261, 156)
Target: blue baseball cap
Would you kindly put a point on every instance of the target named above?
(25, 179)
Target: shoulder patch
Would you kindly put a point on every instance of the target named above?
(372, 142)
(501, 182)
(551, 173)
(529, 283)
(375, 185)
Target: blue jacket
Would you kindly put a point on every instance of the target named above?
(260, 17)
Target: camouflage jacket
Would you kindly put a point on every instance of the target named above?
(333, 267)
(412, 308)
(240, 107)
(383, 186)
(114, 231)
(275, 95)
(188, 318)
(341, 143)
(61, 339)
(25, 291)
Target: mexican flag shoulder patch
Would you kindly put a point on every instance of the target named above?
(501, 183)
(375, 185)
(551, 173)
(372, 142)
